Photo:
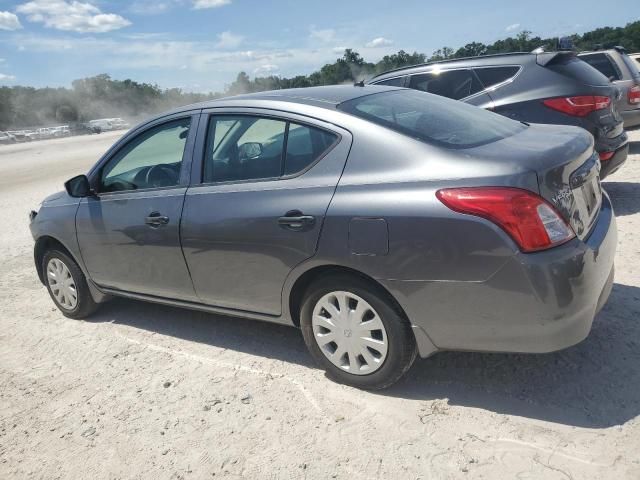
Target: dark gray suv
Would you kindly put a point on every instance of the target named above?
(618, 67)
(547, 87)
(384, 222)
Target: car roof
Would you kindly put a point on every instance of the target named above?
(496, 59)
(326, 97)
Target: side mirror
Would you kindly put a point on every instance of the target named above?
(250, 150)
(78, 187)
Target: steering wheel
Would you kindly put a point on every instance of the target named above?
(160, 176)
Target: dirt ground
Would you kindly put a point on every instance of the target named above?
(144, 391)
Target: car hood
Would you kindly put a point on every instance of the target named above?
(59, 198)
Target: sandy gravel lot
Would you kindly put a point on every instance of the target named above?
(143, 391)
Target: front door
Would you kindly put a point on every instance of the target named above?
(129, 232)
(265, 187)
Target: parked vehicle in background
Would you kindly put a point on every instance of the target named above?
(6, 138)
(45, 133)
(636, 58)
(545, 87)
(623, 72)
(61, 131)
(119, 124)
(384, 222)
(84, 129)
(104, 124)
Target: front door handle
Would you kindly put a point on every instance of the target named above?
(156, 219)
(296, 220)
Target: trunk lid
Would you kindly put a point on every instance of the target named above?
(566, 166)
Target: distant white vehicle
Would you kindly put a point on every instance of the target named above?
(7, 138)
(104, 124)
(636, 58)
(119, 124)
(43, 133)
(61, 131)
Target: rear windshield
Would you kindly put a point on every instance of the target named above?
(575, 68)
(433, 119)
(602, 63)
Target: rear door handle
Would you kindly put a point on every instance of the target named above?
(296, 220)
(156, 219)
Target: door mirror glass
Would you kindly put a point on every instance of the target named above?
(78, 187)
(250, 150)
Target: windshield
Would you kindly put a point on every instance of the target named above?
(433, 119)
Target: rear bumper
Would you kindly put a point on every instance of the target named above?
(614, 163)
(536, 303)
(631, 117)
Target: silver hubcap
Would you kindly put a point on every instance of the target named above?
(62, 284)
(349, 333)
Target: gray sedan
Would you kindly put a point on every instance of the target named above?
(384, 222)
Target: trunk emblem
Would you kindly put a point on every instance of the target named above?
(562, 195)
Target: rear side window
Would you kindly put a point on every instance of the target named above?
(304, 146)
(455, 84)
(602, 63)
(491, 76)
(247, 147)
(433, 119)
(393, 82)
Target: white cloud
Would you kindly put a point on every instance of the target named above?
(150, 7)
(200, 4)
(71, 16)
(339, 50)
(325, 35)
(229, 40)
(379, 42)
(512, 27)
(266, 69)
(6, 78)
(9, 21)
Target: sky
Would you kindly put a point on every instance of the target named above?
(201, 45)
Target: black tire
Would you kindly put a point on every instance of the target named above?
(85, 305)
(401, 351)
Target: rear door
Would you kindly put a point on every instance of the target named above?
(457, 84)
(262, 184)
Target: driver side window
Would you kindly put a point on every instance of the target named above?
(151, 160)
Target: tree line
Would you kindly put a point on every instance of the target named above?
(101, 96)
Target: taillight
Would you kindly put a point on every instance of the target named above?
(604, 156)
(578, 106)
(634, 95)
(530, 220)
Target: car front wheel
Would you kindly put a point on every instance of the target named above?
(356, 333)
(67, 285)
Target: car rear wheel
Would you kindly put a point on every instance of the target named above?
(67, 285)
(356, 333)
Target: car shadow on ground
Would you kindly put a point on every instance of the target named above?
(625, 197)
(595, 384)
(634, 147)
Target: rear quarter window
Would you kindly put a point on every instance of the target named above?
(432, 119)
(492, 76)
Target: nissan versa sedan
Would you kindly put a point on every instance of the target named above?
(384, 222)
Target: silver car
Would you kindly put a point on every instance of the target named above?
(384, 222)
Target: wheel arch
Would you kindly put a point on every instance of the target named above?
(44, 244)
(302, 283)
